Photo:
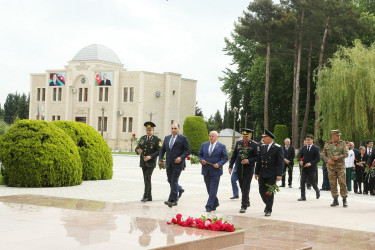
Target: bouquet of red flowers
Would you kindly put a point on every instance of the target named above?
(214, 224)
(272, 189)
(162, 164)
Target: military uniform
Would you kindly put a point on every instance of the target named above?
(337, 171)
(270, 165)
(245, 171)
(150, 146)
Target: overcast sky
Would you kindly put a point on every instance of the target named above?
(181, 36)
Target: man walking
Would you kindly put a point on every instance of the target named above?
(177, 148)
(148, 149)
(244, 155)
(213, 155)
(334, 153)
(289, 154)
(269, 168)
(310, 157)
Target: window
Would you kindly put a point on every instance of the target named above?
(127, 124)
(54, 94)
(174, 92)
(43, 94)
(83, 94)
(103, 94)
(38, 94)
(128, 94)
(55, 118)
(100, 124)
(172, 121)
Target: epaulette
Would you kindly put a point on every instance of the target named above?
(277, 145)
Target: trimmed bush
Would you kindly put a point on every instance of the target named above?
(96, 157)
(196, 131)
(281, 133)
(38, 154)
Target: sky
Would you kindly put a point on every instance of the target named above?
(180, 36)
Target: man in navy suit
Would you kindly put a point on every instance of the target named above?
(213, 156)
(269, 168)
(245, 154)
(177, 148)
(309, 158)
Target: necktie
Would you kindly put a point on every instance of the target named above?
(171, 142)
(210, 150)
(308, 148)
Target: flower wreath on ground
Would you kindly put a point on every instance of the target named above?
(214, 224)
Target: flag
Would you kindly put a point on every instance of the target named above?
(38, 110)
(98, 79)
(61, 79)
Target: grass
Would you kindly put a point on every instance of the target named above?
(124, 153)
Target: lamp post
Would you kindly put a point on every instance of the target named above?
(102, 121)
(235, 110)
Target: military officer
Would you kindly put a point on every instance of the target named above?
(244, 155)
(334, 154)
(269, 168)
(148, 149)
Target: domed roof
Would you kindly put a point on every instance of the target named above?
(97, 52)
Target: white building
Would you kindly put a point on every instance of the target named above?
(95, 84)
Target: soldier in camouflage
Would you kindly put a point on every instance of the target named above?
(334, 154)
(148, 149)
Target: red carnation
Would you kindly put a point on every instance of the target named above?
(230, 228)
(168, 222)
(267, 193)
(200, 226)
(245, 144)
(330, 142)
(336, 145)
(301, 159)
(188, 157)
(133, 135)
(179, 216)
(161, 161)
(174, 221)
(369, 166)
(216, 227)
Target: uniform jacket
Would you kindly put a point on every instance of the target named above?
(181, 148)
(371, 158)
(270, 164)
(330, 149)
(312, 157)
(219, 155)
(252, 156)
(151, 148)
(289, 155)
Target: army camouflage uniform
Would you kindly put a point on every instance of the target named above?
(151, 148)
(337, 171)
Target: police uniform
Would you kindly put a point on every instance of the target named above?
(269, 166)
(150, 146)
(245, 171)
(337, 171)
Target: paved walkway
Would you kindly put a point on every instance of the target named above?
(287, 223)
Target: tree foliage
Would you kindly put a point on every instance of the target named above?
(16, 105)
(347, 90)
(281, 133)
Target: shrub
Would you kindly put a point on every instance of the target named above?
(196, 131)
(95, 154)
(281, 133)
(39, 154)
(3, 127)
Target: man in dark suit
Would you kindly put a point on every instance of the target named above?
(213, 156)
(269, 168)
(366, 177)
(371, 180)
(289, 155)
(244, 155)
(177, 148)
(148, 149)
(309, 158)
(105, 81)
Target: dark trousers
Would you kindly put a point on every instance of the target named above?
(366, 178)
(147, 173)
(268, 200)
(311, 175)
(173, 176)
(245, 182)
(358, 179)
(288, 168)
(325, 185)
(308, 182)
(212, 185)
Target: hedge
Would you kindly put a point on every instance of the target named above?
(96, 157)
(196, 131)
(281, 133)
(38, 154)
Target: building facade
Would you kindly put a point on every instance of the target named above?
(95, 88)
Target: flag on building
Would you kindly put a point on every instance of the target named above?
(98, 79)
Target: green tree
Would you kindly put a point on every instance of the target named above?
(225, 120)
(219, 120)
(198, 110)
(281, 133)
(2, 113)
(212, 124)
(196, 131)
(347, 90)
(16, 105)
(3, 127)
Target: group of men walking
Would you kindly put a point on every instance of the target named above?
(267, 161)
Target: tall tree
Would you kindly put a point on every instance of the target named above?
(198, 110)
(226, 123)
(16, 105)
(218, 120)
(1, 113)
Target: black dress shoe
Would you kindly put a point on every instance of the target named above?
(168, 203)
(234, 197)
(268, 213)
(283, 186)
(214, 208)
(318, 194)
(208, 210)
(242, 210)
(174, 203)
(180, 193)
(360, 192)
(144, 199)
(302, 199)
(290, 186)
